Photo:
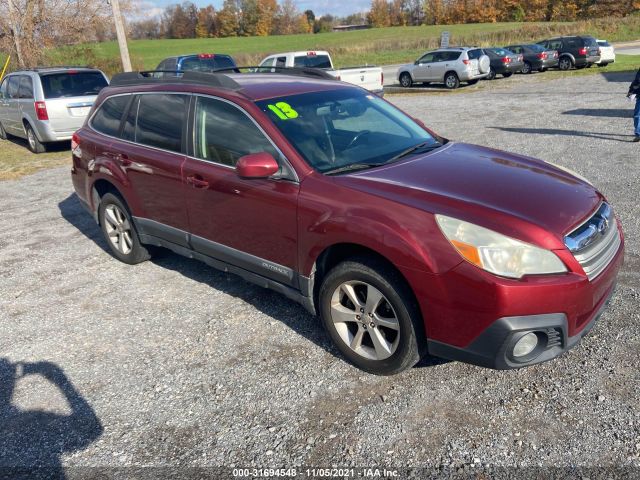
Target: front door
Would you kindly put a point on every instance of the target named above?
(423, 70)
(250, 223)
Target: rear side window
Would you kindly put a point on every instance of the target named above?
(107, 119)
(312, 61)
(604, 43)
(540, 48)
(26, 87)
(451, 56)
(588, 41)
(555, 45)
(515, 49)
(161, 118)
(281, 62)
(223, 133)
(78, 84)
(500, 52)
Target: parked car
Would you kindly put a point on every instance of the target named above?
(575, 51)
(446, 65)
(369, 77)
(47, 105)
(503, 62)
(535, 57)
(607, 53)
(199, 62)
(398, 238)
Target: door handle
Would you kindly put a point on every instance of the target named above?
(197, 181)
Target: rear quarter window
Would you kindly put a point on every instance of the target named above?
(474, 54)
(66, 84)
(108, 116)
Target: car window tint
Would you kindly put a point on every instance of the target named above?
(14, 84)
(67, 84)
(26, 87)
(555, 45)
(267, 63)
(129, 125)
(428, 58)
(312, 61)
(451, 56)
(107, 119)
(223, 61)
(500, 52)
(589, 41)
(161, 118)
(474, 54)
(3, 88)
(281, 62)
(515, 49)
(223, 133)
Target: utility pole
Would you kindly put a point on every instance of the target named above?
(122, 38)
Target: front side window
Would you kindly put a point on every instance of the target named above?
(345, 127)
(108, 117)
(428, 58)
(160, 121)
(223, 133)
(26, 88)
(72, 84)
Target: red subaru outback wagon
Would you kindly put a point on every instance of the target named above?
(404, 243)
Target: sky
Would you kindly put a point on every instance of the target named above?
(150, 8)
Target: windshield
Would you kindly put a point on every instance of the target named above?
(72, 84)
(338, 128)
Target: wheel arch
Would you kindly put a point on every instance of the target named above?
(339, 252)
(569, 56)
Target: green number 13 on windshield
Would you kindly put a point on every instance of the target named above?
(283, 110)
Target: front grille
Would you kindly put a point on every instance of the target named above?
(595, 242)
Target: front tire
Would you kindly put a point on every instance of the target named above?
(35, 145)
(492, 74)
(371, 316)
(405, 80)
(119, 231)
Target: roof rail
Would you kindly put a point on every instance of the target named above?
(300, 71)
(174, 76)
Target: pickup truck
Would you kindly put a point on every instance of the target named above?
(368, 77)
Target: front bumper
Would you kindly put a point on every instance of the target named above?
(492, 349)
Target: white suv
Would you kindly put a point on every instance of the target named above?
(446, 65)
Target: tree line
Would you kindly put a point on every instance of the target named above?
(268, 17)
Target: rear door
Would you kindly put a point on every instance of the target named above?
(250, 223)
(150, 149)
(474, 57)
(69, 96)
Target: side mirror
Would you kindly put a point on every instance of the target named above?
(257, 165)
(417, 62)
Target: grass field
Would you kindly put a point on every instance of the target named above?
(16, 160)
(378, 46)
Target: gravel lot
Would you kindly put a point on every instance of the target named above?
(171, 363)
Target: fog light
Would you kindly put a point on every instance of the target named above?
(525, 345)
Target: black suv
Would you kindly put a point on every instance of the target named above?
(576, 51)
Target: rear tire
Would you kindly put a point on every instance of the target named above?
(405, 80)
(492, 74)
(371, 316)
(451, 81)
(602, 65)
(565, 64)
(507, 74)
(526, 68)
(119, 230)
(35, 145)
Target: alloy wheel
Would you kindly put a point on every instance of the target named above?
(365, 320)
(118, 229)
(31, 139)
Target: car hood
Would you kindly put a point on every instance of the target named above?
(471, 182)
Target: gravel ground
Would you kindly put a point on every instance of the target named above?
(173, 364)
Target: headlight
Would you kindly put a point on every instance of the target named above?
(498, 253)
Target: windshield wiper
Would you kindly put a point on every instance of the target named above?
(424, 147)
(350, 168)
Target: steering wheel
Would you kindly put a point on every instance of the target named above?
(358, 136)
